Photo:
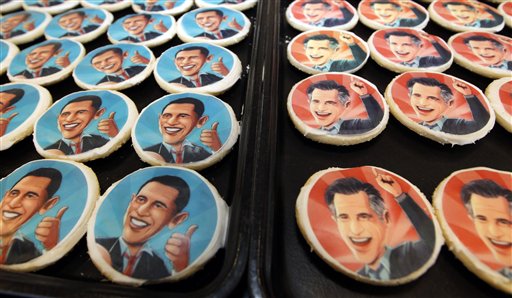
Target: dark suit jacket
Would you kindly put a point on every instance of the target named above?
(190, 154)
(13, 34)
(420, 17)
(86, 29)
(461, 126)
(153, 8)
(50, 3)
(21, 251)
(444, 56)
(206, 79)
(148, 267)
(497, 19)
(44, 72)
(88, 143)
(358, 126)
(131, 71)
(225, 34)
(147, 36)
(410, 256)
(344, 65)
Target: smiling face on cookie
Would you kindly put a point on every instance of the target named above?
(178, 120)
(136, 24)
(190, 61)
(38, 57)
(387, 12)
(489, 51)
(75, 117)
(9, 23)
(429, 101)
(72, 21)
(209, 20)
(319, 52)
(464, 13)
(405, 48)
(315, 12)
(109, 61)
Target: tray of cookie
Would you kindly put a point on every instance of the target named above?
(124, 148)
(384, 144)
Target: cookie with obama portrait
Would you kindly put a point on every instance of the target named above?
(328, 50)
(146, 29)
(85, 125)
(44, 209)
(474, 208)
(114, 67)
(52, 7)
(46, 63)
(499, 93)
(158, 224)
(20, 106)
(197, 67)
(487, 54)
(382, 14)
(233, 4)
(440, 107)
(337, 109)
(167, 7)
(187, 129)
(23, 26)
(369, 223)
(405, 49)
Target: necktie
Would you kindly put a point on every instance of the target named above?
(3, 254)
(179, 156)
(131, 264)
(197, 82)
(78, 147)
(219, 35)
(125, 75)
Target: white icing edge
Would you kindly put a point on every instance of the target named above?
(13, 50)
(492, 92)
(301, 26)
(11, 6)
(506, 17)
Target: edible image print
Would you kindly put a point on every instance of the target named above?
(475, 210)
(15, 26)
(328, 51)
(466, 15)
(44, 208)
(392, 14)
(499, 93)
(408, 49)
(369, 223)
(7, 52)
(76, 23)
(50, 6)
(234, 4)
(172, 7)
(110, 5)
(184, 128)
(142, 28)
(156, 223)
(506, 10)
(312, 14)
(81, 122)
(114, 65)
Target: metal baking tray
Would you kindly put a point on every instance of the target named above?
(74, 274)
(281, 263)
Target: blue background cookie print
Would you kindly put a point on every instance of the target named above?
(158, 6)
(37, 18)
(4, 50)
(201, 207)
(223, 1)
(19, 64)
(88, 24)
(47, 127)
(73, 193)
(37, 3)
(104, 2)
(86, 72)
(191, 27)
(147, 128)
(119, 33)
(167, 70)
(25, 107)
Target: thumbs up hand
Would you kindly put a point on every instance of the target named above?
(219, 67)
(63, 61)
(108, 126)
(177, 248)
(234, 24)
(4, 122)
(29, 26)
(160, 27)
(210, 137)
(48, 229)
(139, 59)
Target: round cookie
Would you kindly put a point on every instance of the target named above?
(234, 4)
(187, 129)
(85, 125)
(50, 6)
(150, 30)
(197, 67)
(221, 26)
(506, 10)
(23, 26)
(306, 15)
(21, 105)
(46, 63)
(53, 201)
(499, 94)
(406, 49)
(337, 109)
(186, 219)
(10, 5)
(170, 7)
(473, 207)
(7, 52)
(440, 107)
(392, 14)
(114, 67)
(462, 16)
(110, 5)
(370, 224)
(327, 50)
(484, 53)
(83, 25)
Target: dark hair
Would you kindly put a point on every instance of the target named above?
(95, 101)
(326, 85)
(203, 50)
(350, 186)
(54, 175)
(177, 183)
(445, 4)
(326, 4)
(79, 12)
(446, 92)
(55, 44)
(385, 2)
(18, 94)
(217, 11)
(145, 15)
(198, 105)
(414, 38)
(483, 38)
(333, 42)
(485, 188)
(116, 50)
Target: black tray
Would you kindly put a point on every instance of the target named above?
(74, 274)
(281, 263)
